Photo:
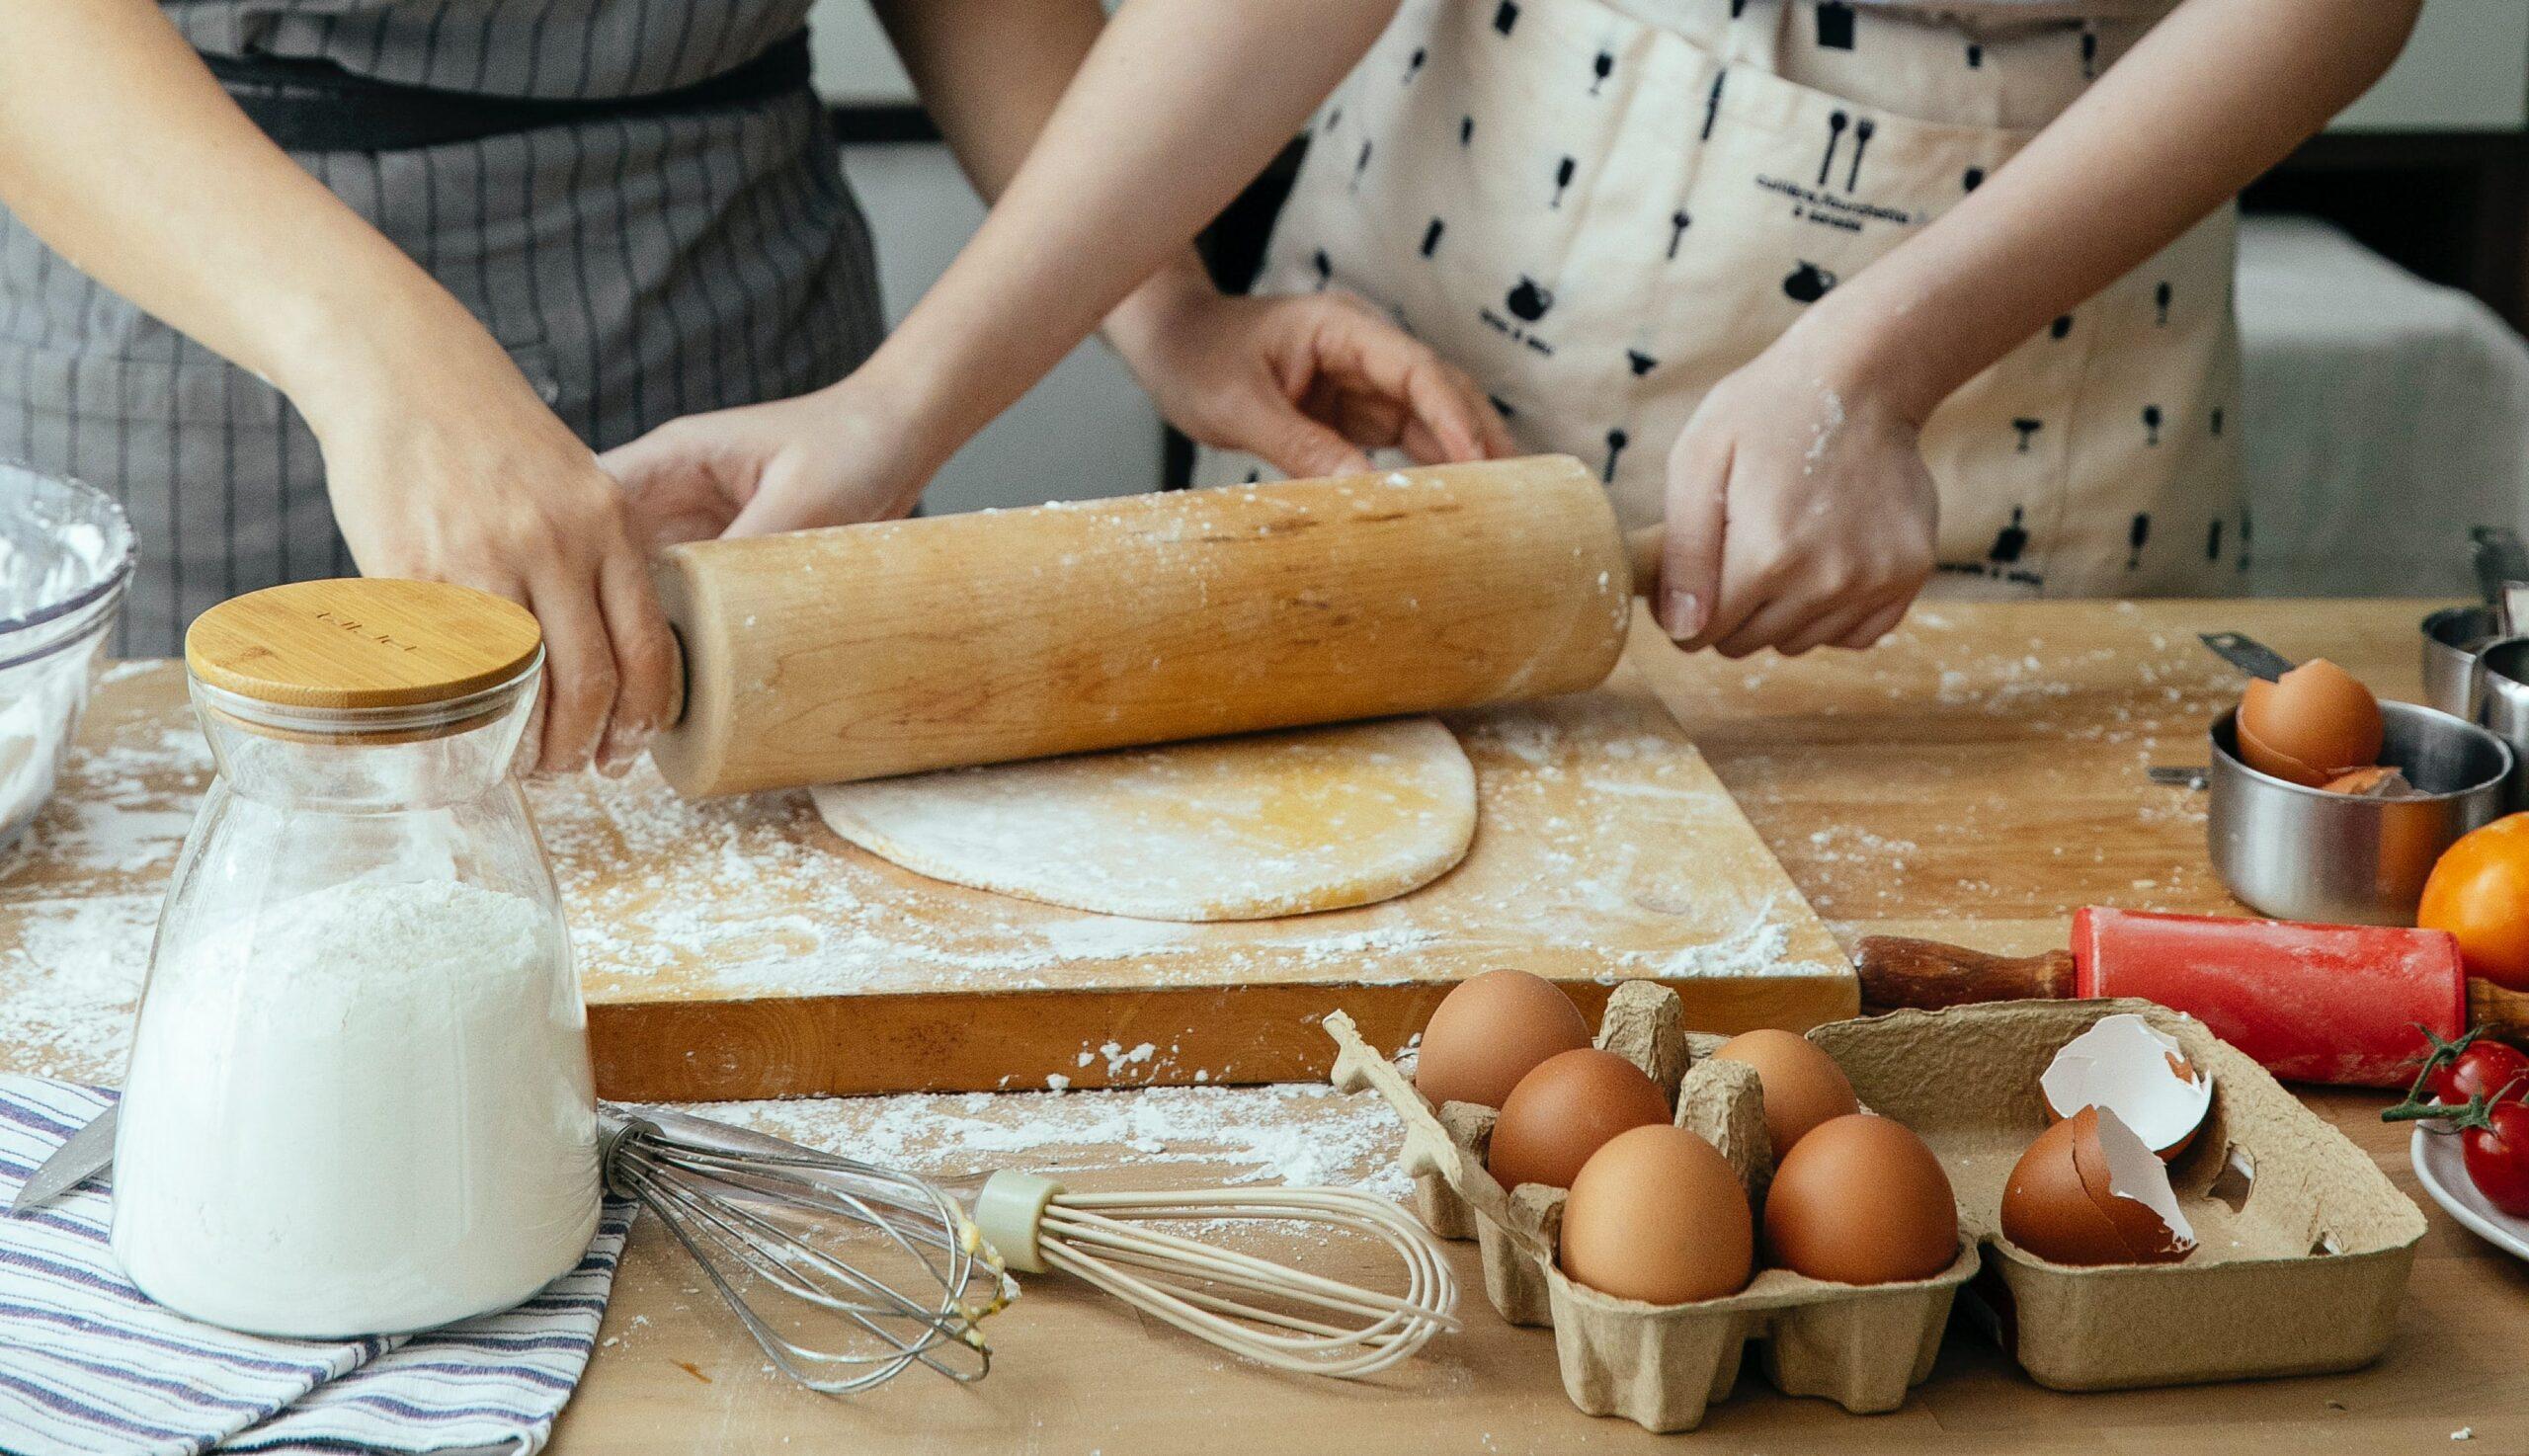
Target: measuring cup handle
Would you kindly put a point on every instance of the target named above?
(2247, 654)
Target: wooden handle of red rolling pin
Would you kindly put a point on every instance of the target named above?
(1899, 971)
(860, 651)
(2499, 1012)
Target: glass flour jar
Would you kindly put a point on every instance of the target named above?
(359, 1100)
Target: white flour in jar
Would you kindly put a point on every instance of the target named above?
(366, 1109)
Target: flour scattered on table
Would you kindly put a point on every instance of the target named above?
(1285, 1134)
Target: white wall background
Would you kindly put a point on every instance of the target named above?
(1088, 430)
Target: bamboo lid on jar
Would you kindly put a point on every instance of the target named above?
(363, 643)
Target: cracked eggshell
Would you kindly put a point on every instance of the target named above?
(2125, 1065)
(2313, 723)
(2089, 1191)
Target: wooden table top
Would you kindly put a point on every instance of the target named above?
(1977, 779)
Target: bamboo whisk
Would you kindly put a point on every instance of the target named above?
(1270, 1312)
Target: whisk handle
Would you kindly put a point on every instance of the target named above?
(1010, 1212)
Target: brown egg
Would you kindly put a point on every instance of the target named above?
(1861, 1200)
(1803, 1085)
(2089, 1191)
(1490, 1031)
(1567, 1110)
(2310, 725)
(1657, 1215)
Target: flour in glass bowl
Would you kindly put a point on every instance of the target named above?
(365, 1110)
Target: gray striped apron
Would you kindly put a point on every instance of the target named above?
(637, 267)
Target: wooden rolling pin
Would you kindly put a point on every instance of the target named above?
(862, 651)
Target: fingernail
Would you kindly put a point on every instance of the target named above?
(1682, 614)
(623, 749)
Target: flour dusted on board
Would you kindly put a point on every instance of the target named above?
(365, 1110)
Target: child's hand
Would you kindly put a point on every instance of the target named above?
(1799, 512)
(1310, 383)
(838, 455)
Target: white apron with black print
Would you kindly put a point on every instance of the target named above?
(1601, 216)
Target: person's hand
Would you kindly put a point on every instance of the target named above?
(467, 477)
(1799, 511)
(1310, 382)
(832, 457)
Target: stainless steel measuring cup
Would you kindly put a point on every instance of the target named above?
(2307, 855)
(2454, 635)
(2452, 638)
(2499, 687)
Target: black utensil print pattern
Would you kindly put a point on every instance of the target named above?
(2011, 541)
(1834, 25)
(1837, 122)
(1808, 283)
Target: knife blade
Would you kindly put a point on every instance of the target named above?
(88, 1152)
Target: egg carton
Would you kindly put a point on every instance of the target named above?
(2304, 1246)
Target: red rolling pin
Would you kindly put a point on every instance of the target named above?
(2331, 1004)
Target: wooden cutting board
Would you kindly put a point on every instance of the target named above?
(737, 948)
(741, 950)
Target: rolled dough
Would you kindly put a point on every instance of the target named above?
(1246, 828)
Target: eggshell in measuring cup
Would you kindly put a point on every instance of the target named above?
(1567, 1110)
(1657, 1215)
(2310, 725)
(1492, 1030)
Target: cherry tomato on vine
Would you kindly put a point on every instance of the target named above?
(2497, 1157)
(2479, 1069)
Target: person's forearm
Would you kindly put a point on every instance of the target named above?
(2217, 93)
(1178, 106)
(990, 72)
(119, 150)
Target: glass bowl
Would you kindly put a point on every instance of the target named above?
(65, 561)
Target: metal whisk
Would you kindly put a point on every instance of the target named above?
(880, 1270)
(771, 1209)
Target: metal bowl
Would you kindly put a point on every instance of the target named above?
(2307, 855)
(2452, 638)
(65, 561)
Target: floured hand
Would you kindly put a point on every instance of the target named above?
(1799, 511)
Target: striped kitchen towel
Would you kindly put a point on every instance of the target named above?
(90, 1367)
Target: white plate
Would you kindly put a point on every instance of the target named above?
(2438, 1166)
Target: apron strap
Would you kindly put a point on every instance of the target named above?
(315, 106)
